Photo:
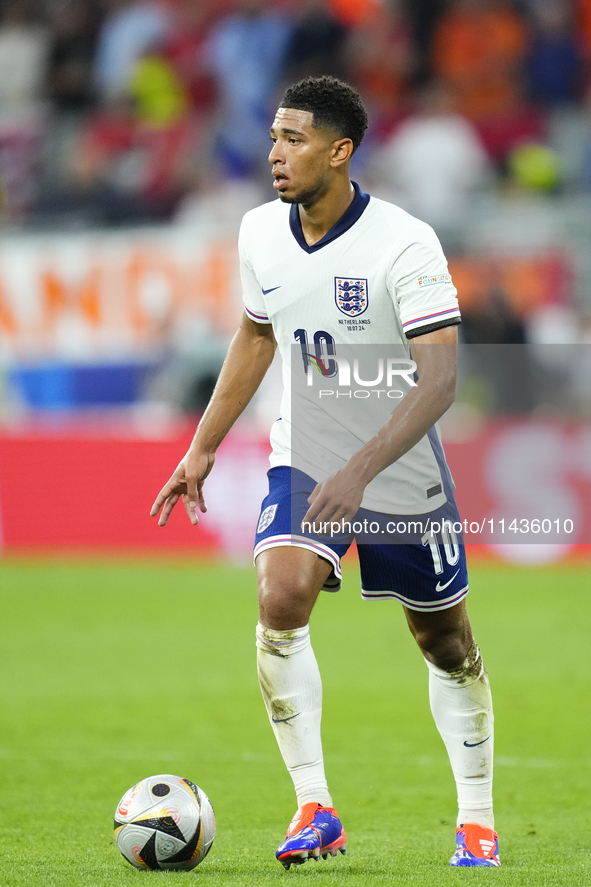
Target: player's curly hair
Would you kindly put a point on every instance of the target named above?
(334, 104)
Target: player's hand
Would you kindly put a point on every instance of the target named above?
(187, 484)
(336, 499)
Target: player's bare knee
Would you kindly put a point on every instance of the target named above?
(446, 650)
(443, 636)
(273, 586)
(284, 602)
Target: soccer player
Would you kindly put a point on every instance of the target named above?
(315, 263)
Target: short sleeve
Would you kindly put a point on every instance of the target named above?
(421, 285)
(252, 294)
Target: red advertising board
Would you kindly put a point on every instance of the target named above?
(74, 492)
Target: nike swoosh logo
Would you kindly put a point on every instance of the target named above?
(474, 744)
(439, 587)
(282, 720)
(272, 290)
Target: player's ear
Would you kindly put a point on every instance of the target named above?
(342, 150)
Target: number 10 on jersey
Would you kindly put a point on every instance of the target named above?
(324, 345)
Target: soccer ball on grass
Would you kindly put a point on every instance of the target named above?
(164, 822)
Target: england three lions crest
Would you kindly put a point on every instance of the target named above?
(351, 295)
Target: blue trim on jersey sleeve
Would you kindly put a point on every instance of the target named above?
(351, 215)
(258, 318)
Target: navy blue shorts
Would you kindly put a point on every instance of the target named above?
(422, 565)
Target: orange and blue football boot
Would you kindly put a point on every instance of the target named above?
(476, 845)
(314, 831)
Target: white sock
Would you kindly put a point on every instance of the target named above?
(461, 704)
(292, 691)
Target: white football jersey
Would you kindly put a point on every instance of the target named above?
(377, 278)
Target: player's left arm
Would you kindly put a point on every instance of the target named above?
(339, 497)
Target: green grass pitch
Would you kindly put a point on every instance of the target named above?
(115, 670)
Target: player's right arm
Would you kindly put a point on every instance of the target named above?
(248, 359)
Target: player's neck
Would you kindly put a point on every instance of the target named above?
(319, 217)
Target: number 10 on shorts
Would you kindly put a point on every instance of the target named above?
(450, 547)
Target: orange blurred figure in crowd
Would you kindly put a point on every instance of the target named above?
(477, 51)
(381, 59)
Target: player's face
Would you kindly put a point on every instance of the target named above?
(302, 157)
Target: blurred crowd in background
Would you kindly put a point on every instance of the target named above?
(127, 113)
(119, 111)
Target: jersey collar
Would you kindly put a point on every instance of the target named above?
(354, 212)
